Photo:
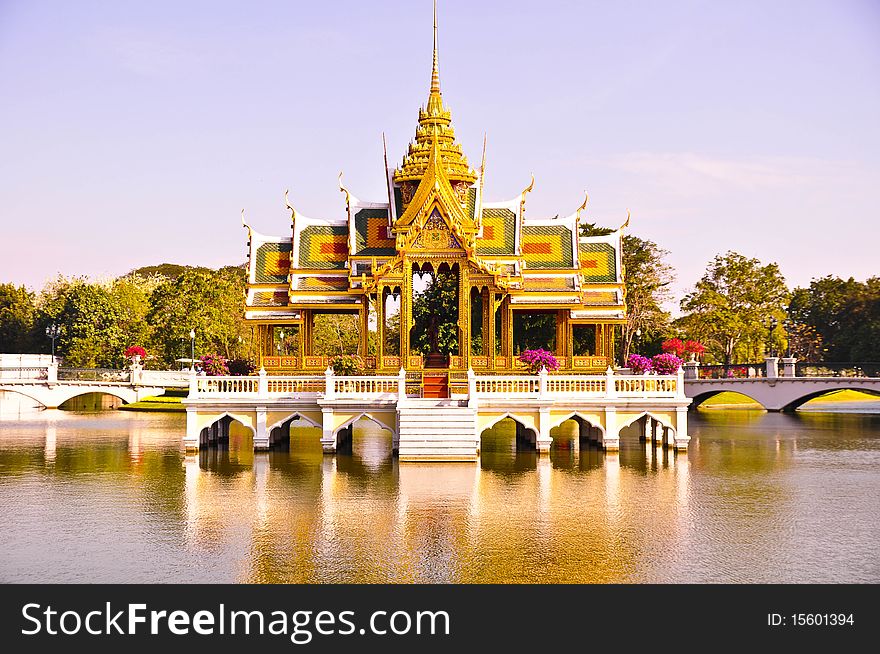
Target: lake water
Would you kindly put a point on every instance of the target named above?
(759, 497)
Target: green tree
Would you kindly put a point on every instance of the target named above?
(335, 333)
(732, 303)
(844, 314)
(16, 319)
(435, 316)
(210, 302)
(90, 320)
(647, 281)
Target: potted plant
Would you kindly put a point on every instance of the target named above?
(136, 354)
(214, 365)
(666, 363)
(694, 348)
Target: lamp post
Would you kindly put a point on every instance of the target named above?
(192, 349)
(772, 328)
(53, 331)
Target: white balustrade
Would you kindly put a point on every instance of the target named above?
(579, 385)
(507, 386)
(366, 385)
(646, 386)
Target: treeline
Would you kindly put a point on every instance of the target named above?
(153, 307)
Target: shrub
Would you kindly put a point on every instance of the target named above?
(666, 364)
(638, 364)
(673, 346)
(345, 364)
(136, 351)
(240, 367)
(214, 365)
(694, 347)
(537, 359)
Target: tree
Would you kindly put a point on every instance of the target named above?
(210, 302)
(435, 316)
(732, 303)
(335, 333)
(90, 320)
(842, 315)
(16, 319)
(647, 280)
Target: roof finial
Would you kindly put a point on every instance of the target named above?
(435, 73)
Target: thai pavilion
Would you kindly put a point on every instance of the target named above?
(435, 219)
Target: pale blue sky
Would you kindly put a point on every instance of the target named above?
(134, 133)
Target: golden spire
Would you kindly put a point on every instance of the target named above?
(435, 124)
(435, 72)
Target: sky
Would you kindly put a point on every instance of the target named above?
(133, 133)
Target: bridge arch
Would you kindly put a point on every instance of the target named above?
(702, 397)
(279, 431)
(216, 430)
(592, 422)
(663, 421)
(803, 399)
(343, 430)
(52, 398)
(523, 429)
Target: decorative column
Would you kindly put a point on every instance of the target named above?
(464, 316)
(380, 326)
(544, 440)
(507, 331)
(771, 367)
(691, 369)
(489, 334)
(191, 440)
(307, 332)
(405, 311)
(788, 366)
(364, 324)
(261, 437)
(328, 440)
(681, 429)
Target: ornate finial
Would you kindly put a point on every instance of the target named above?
(435, 72)
(626, 224)
(522, 202)
(583, 206)
(347, 194)
(288, 205)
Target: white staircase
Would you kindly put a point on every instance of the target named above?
(436, 430)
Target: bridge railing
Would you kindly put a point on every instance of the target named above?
(837, 369)
(93, 375)
(24, 374)
(732, 371)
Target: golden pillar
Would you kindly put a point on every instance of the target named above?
(464, 315)
(507, 331)
(364, 325)
(380, 325)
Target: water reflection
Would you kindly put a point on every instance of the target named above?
(759, 497)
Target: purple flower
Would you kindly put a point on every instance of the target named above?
(666, 364)
(537, 359)
(638, 364)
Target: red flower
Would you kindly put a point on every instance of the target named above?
(136, 350)
(673, 346)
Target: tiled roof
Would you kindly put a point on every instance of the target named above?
(273, 263)
(328, 283)
(269, 299)
(598, 262)
(323, 246)
(372, 234)
(565, 283)
(547, 246)
(499, 226)
(600, 298)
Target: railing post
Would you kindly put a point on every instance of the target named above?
(691, 369)
(472, 388)
(771, 367)
(136, 376)
(52, 373)
(788, 366)
(610, 389)
(329, 384)
(401, 385)
(542, 382)
(263, 384)
(193, 384)
(679, 382)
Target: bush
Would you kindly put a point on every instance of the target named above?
(537, 359)
(240, 367)
(639, 364)
(666, 364)
(345, 364)
(214, 365)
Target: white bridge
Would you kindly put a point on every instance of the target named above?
(773, 392)
(51, 386)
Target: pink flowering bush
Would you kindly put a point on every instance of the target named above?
(666, 364)
(638, 364)
(214, 365)
(537, 359)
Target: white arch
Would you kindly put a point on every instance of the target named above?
(74, 391)
(223, 415)
(586, 420)
(295, 414)
(662, 421)
(512, 417)
(366, 415)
